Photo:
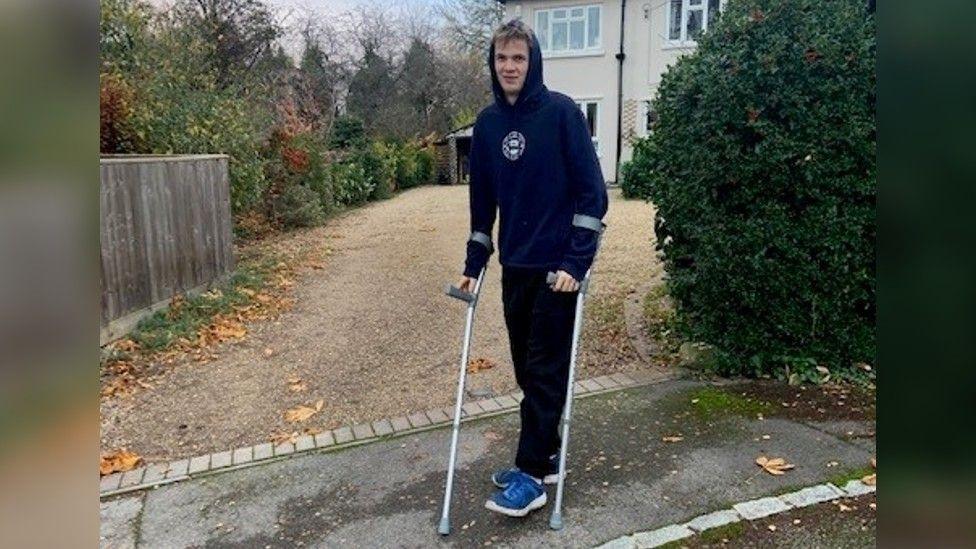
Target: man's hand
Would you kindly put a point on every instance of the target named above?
(565, 282)
(467, 284)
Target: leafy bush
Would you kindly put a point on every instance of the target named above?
(762, 167)
(304, 163)
(350, 183)
(635, 175)
(426, 167)
(347, 132)
(299, 206)
(379, 164)
(415, 166)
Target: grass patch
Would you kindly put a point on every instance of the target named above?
(728, 531)
(660, 319)
(607, 311)
(840, 479)
(185, 316)
(712, 402)
(712, 536)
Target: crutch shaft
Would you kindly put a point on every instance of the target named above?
(444, 527)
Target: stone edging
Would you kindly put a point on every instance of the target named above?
(343, 437)
(747, 510)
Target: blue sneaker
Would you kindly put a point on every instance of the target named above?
(522, 496)
(503, 477)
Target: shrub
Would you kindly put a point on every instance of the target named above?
(379, 164)
(315, 175)
(298, 206)
(349, 182)
(415, 166)
(635, 175)
(762, 167)
(347, 132)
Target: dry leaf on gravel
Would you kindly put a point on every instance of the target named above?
(296, 385)
(871, 480)
(280, 438)
(120, 460)
(478, 364)
(672, 439)
(774, 466)
(302, 413)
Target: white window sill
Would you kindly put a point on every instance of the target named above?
(567, 54)
(679, 46)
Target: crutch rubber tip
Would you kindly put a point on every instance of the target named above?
(556, 522)
(445, 527)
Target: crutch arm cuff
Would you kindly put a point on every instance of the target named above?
(483, 239)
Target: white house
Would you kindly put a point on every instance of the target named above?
(609, 56)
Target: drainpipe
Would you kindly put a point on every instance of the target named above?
(620, 92)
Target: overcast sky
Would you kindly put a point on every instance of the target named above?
(291, 12)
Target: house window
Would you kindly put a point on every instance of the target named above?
(591, 113)
(689, 18)
(569, 30)
(646, 120)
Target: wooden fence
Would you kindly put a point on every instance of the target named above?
(165, 230)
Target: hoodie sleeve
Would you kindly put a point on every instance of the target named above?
(481, 195)
(589, 190)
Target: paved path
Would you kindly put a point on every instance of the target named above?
(623, 478)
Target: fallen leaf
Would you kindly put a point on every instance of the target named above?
(478, 364)
(269, 351)
(871, 480)
(318, 405)
(772, 527)
(280, 438)
(774, 466)
(301, 413)
(843, 507)
(672, 439)
(117, 461)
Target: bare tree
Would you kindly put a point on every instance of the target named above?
(470, 23)
(240, 32)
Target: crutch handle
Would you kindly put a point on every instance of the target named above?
(458, 293)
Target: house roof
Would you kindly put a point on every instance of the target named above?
(463, 131)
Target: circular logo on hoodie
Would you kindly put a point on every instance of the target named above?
(513, 145)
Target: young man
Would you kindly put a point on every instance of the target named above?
(532, 159)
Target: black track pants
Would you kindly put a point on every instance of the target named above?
(540, 333)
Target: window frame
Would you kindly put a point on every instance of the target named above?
(683, 41)
(642, 113)
(581, 104)
(587, 49)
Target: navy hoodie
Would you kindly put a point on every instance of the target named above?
(535, 163)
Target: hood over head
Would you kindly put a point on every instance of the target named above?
(533, 91)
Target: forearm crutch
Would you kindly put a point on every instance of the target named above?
(556, 520)
(472, 300)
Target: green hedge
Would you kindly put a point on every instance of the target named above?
(762, 167)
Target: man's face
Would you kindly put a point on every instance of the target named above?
(511, 65)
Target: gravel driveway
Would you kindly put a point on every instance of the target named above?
(371, 334)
